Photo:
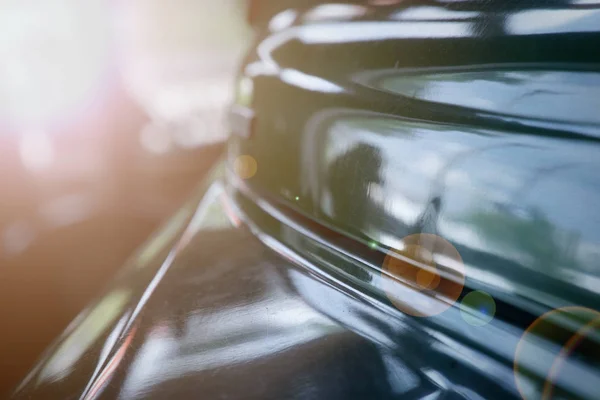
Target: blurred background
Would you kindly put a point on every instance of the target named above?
(111, 111)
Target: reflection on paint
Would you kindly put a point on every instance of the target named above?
(164, 237)
(309, 82)
(85, 334)
(283, 20)
(333, 12)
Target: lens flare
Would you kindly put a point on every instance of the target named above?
(245, 166)
(554, 337)
(425, 277)
(478, 308)
(56, 58)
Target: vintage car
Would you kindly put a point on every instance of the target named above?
(407, 208)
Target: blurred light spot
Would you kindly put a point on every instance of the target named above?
(373, 244)
(55, 56)
(428, 279)
(68, 209)
(297, 198)
(36, 150)
(424, 276)
(543, 356)
(478, 308)
(245, 166)
(17, 237)
(155, 138)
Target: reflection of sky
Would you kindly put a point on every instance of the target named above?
(492, 174)
(536, 94)
(524, 176)
(554, 21)
(368, 31)
(425, 13)
(501, 175)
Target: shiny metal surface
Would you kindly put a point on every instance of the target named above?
(367, 123)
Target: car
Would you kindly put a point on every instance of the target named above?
(407, 208)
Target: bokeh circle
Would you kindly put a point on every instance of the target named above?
(478, 308)
(245, 166)
(425, 277)
(554, 336)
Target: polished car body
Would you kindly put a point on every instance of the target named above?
(357, 126)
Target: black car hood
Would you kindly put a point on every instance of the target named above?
(223, 315)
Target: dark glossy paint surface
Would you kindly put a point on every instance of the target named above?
(473, 121)
(477, 123)
(228, 316)
(230, 319)
(369, 122)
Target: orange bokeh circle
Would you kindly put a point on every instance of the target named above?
(425, 277)
(245, 166)
(544, 328)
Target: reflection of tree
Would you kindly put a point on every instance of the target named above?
(534, 236)
(427, 221)
(349, 179)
